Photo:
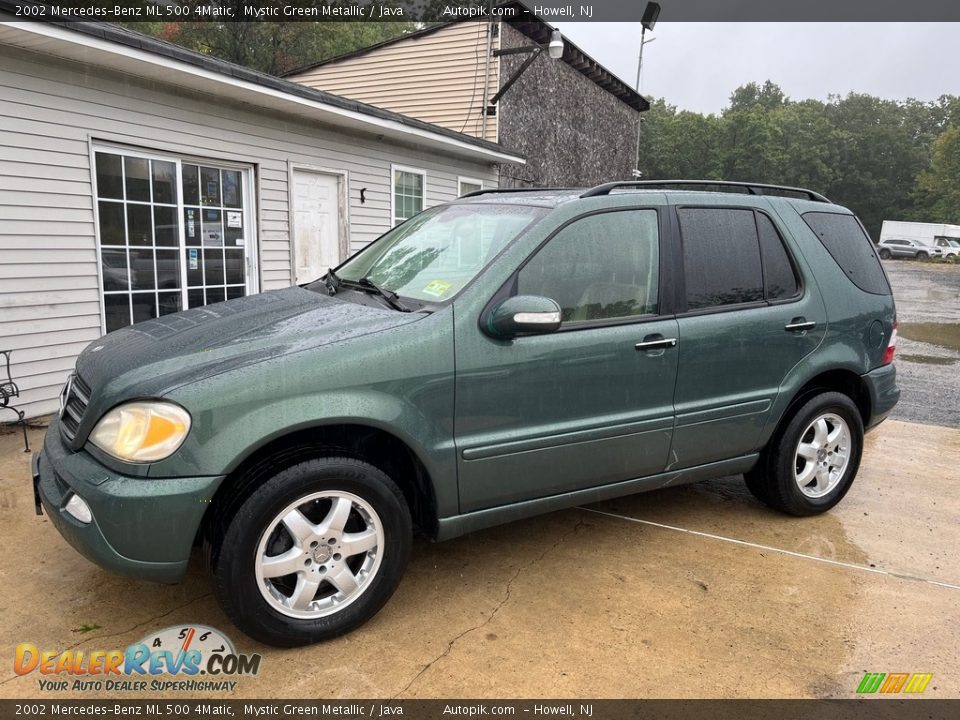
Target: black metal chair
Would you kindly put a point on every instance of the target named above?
(8, 391)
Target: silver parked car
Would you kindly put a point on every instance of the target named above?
(901, 247)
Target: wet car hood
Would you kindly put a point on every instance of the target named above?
(174, 350)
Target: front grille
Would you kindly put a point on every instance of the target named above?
(74, 405)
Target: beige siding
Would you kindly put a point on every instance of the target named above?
(437, 78)
(51, 112)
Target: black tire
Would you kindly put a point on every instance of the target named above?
(234, 556)
(884, 254)
(773, 480)
(923, 255)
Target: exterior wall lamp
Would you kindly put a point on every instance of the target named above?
(554, 49)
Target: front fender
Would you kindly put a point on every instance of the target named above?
(240, 434)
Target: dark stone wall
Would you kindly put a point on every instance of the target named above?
(571, 132)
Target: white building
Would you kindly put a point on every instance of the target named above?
(138, 178)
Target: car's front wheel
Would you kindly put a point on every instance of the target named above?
(811, 464)
(884, 254)
(314, 552)
(923, 255)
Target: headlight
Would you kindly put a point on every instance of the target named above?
(142, 431)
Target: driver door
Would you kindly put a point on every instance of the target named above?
(584, 406)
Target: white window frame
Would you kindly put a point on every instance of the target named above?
(251, 268)
(473, 181)
(394, 169)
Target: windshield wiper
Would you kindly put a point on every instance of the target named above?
(391, 297)
(332, 282)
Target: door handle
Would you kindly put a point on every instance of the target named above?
(799, 324)
(657, 344)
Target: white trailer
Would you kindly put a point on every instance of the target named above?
(941, 235)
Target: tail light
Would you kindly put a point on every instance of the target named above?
(891, 346)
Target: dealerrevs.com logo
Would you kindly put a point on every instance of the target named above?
(190, 658)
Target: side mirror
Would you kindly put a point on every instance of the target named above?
(523, 314)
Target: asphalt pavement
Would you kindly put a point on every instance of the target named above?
(693, 591)
(928, 351)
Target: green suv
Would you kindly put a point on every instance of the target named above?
(508, 354)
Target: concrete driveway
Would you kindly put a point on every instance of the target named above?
(687, 592)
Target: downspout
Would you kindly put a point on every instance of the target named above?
(486, 75)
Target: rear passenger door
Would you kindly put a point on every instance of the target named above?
(746, 319)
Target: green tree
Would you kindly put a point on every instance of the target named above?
(884, 159)
(679, 144)
(768, 96)
(879, 160)
(270, 46)
(810, 146)
(938, 189)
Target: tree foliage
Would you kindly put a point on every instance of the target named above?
(938, 188)
(274, 47)
(882, 158)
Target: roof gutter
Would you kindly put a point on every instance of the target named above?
(246, 91)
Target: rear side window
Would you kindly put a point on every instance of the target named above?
(779, 280)
(850, 248)
(721, 257)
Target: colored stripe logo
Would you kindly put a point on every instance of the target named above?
(894, 683)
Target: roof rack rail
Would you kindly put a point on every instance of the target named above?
(486, 191)
(751, 188)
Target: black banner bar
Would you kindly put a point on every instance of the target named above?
(433, 11)
(877, 708)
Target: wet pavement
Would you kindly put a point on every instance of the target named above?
(697, 591)
(928, 351)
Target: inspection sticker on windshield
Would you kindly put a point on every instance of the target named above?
(437, 288)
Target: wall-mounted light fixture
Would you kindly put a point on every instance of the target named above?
(554, 50)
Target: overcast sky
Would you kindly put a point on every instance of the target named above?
(697, 65)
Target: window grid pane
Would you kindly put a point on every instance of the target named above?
(143, 252)
(407, 195)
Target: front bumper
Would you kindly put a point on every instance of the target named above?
(882, 386)
(143, 528)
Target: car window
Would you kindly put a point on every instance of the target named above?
(850, 248)
(600, 267)
(779, 279)
(721, 257)
(433, 255)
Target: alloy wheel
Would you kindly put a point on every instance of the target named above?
(823, 455)
(319, 554)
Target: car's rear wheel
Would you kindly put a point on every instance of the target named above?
(314, 552)
(811, 464)
(884, 254)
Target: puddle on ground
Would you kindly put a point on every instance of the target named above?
(943, 334)
(927, 359)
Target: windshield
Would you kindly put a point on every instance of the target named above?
(433, 255)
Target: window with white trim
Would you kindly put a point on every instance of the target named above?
(174, 234)
(468, 185)
(408, 193)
